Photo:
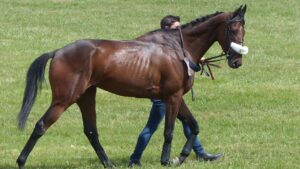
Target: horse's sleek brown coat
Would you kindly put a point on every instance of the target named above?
(149, 66)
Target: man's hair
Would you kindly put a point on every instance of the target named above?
(168, 20)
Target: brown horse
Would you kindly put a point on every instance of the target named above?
(150, 66)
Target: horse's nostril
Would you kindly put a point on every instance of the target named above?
(237, 64)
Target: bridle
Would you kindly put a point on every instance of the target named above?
(225, 55)
(229, 34)
(211, 60)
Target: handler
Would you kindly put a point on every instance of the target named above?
(158, 112)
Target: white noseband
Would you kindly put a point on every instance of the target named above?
(239, 48)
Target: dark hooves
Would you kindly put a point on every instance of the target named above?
(22, 167)
(109, 165)
(178, 161)
(21, 162)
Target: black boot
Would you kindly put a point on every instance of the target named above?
(208, 157)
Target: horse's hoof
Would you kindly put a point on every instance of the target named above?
(109, 165)
(22, 167)
(176, 162)
(165, 163)
(21, 162)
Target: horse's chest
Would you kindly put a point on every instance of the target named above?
(189, 84)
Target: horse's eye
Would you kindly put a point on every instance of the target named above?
(235, 26)
(233, 31)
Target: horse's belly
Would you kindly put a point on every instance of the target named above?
(130, 82)
(124, 88)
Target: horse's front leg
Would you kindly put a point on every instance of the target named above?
(186, 116)
(172, 107)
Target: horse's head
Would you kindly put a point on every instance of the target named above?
(232, 38)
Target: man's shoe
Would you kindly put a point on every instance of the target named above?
(208, 157)
(134, 163)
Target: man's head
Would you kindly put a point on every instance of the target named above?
(170, 22)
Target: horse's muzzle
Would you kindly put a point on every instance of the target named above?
(235, 63)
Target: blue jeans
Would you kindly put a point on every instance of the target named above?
(156, 115)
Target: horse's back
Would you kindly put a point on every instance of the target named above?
(120, 67)
(123, 66)
(126, 66)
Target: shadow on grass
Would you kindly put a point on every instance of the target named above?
(84, 163)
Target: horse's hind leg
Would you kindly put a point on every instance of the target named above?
(86, 104)
(186, 116)
(66, 88)
(52, 114)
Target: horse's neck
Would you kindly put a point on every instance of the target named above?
(200, 38)
(198, 46)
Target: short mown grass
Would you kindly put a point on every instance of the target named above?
(251, 115)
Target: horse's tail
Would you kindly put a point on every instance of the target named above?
(34, 80)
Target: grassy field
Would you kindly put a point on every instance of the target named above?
(251, 115)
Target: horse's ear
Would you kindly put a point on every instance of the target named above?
(243, 10)
(240, 12)
(237, 11)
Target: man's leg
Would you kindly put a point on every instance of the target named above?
(201, 155)
(156, 115)
(197, 147)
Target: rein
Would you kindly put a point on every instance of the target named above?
(196, 67)
(210, 62)
(203, 62)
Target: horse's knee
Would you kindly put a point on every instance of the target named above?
(168, 134)
(39, 129)
(194, 126)
(90, 133)
(196, 129)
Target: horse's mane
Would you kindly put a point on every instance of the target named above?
(201, 19)
(167, 37)
(192, 23)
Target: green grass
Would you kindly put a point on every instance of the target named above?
(251, 115)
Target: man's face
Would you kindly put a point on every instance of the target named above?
(175, 25)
